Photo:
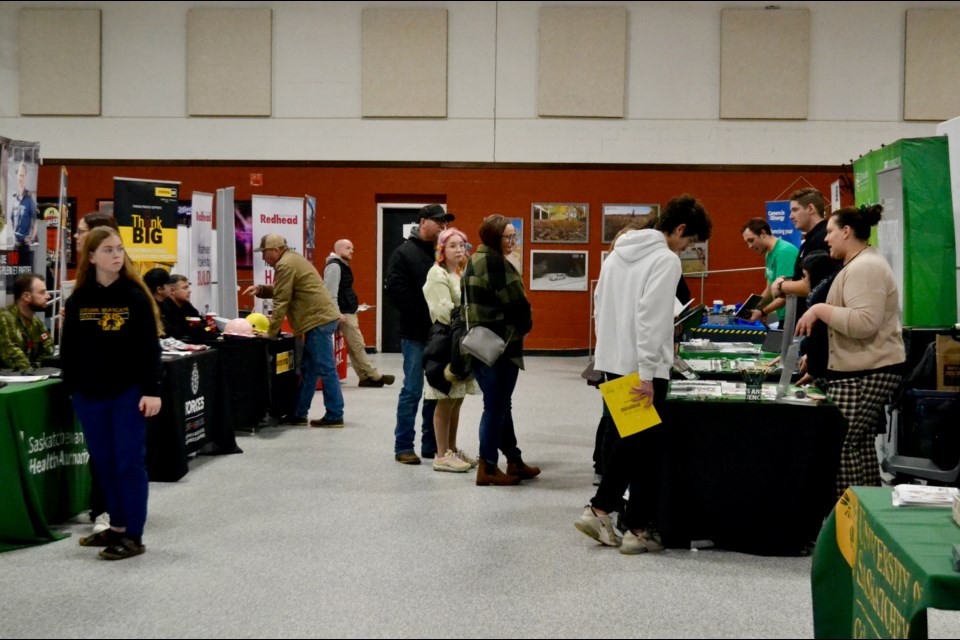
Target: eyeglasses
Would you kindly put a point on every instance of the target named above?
(511, 238)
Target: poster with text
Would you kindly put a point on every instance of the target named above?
(778, 217)
(146, 211)
(272, 214)
(201, 254)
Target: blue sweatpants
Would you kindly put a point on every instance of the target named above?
(116, 434)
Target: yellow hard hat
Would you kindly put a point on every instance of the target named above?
(259, 322)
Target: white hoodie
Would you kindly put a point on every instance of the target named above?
(634, 306)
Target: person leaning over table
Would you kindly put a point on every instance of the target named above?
(110, 355)
(299, 294)
(634, 321)
(866, 359)
(24, 339)
(779, 257)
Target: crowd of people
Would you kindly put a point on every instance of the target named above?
(850, 324)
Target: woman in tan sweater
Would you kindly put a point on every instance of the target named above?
(866, 355)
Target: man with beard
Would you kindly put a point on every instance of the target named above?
(24, 339)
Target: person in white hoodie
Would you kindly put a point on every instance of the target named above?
(634, 322)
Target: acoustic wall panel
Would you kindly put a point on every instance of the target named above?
(59, 67)
(229, 62)
(583, 61)
(764, 63)
(931, 74)
(404, 63)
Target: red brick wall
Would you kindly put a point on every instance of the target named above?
(347, 199)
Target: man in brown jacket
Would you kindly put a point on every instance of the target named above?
(299, 294)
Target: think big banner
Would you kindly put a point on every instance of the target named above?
(146, 211)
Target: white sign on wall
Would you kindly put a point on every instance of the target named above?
(273, 214)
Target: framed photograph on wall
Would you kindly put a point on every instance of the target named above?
(560, 222)
(617, 216)
(516, 256)
(558, 270)
(603, 256)
(694, 258)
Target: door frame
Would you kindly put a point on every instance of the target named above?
(380, 266)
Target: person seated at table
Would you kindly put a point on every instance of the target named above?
(177, 309)
(24, 339)
(158, 282)
(866, 354)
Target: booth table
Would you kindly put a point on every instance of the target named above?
(877, 568)
(188, 404)
(757, 477)
(44, 472)
(258, 377)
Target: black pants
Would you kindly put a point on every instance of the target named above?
(636, 462)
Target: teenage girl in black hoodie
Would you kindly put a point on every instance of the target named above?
(111, 363)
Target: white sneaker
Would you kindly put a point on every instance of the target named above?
(450, 462)
(102, 523)
(634, 543)
(598, 527)
(473, 462)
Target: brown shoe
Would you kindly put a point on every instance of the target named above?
(370, 382)
(387, 379)
(522, 470)
(494, 476)
(407, 457)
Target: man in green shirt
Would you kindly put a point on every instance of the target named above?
(779, 256)
(24, 339)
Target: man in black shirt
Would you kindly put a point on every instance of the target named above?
(807, 207)
(177, 308)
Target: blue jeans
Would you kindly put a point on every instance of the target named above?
(116, 435)
(319, 364)
(405, 433)
(496, 423)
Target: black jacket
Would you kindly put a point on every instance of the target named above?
(406, 275)
(110, 341)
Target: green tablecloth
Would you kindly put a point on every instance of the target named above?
(44, 473)
(877, 568)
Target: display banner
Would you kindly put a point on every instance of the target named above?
(201, 254)
(273, 214)
(778, 217)
(146, 211)
(19, 167)
(311, 224)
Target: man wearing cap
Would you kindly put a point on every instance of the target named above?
(406, 275)
(338, 277)
(299, 294)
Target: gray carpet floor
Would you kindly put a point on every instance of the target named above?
(314, 532)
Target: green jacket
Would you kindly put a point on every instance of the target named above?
(298, 292)
(495, 298)
(23, 343)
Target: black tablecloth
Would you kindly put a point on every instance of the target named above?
(189, 399)
(753, 477)
(257, 377)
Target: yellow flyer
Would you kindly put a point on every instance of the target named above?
(629, 415)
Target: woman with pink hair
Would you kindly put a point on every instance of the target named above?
(442, 292)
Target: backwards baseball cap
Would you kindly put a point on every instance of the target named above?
(271, 241)
(436, 213)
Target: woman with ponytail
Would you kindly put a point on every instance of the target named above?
(866, 354)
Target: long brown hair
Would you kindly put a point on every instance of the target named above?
(87, 275)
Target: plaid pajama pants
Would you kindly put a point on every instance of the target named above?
(861, 401)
